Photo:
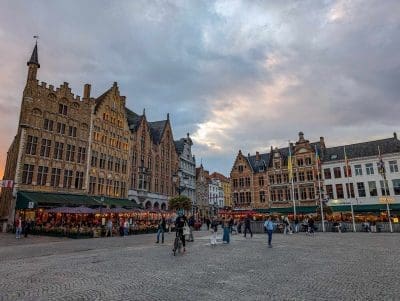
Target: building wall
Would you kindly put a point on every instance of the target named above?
(355, 195)
(202, 191)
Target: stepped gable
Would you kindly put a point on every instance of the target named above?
(363, 149)
(157, 130)
(100, 99)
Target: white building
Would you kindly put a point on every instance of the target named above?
(187, 168)
(365, 185)
(215, 195)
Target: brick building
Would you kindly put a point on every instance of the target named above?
(94, 149)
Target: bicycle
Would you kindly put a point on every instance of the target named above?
(177, 243)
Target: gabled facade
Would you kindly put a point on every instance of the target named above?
(226, 187)
(202, 191)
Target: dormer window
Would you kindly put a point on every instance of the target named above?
(240, 168)
(62, 109)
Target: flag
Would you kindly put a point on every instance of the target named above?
(290, 166)
(381, 164)
(346, 161)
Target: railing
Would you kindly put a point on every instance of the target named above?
(258, 227)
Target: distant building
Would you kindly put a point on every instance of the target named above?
(226, 186)
(202, 191)
(187, 169)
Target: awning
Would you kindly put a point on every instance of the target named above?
(34, 199)
(287, 210)
(365, 208)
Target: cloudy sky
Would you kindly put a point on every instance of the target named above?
(235, 74)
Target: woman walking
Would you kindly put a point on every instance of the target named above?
(214, 229)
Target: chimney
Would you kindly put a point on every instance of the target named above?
(257, 156)
(322, 142)
(86, 91)
(395, 135)
(301, 136)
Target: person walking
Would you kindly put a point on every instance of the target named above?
(18, 228)
(247, 223)
(191, 227)
(269, 226)
(296, 225)
(208, 223)
(161, 230)
(126, 227)
(287, 225)
(27, 227)
(214, 230)
(227, 229)
(109, 228)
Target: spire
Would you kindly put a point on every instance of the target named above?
(34, 57)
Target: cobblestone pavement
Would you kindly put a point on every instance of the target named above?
(331, 266)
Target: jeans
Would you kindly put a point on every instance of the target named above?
(18, 232)
(191, 233)
(160, 231)
(226, 235)
(269, 232)
(125, 231)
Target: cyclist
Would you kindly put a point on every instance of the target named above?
(180, 222)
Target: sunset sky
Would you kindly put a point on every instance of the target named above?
(234, 74)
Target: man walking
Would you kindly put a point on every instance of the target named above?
(269, 226)
(161, 230)
(191, 227)
(247, 227)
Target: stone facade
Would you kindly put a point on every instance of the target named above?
(90, 146)
(202, 191)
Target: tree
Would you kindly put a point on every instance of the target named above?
(180, 202)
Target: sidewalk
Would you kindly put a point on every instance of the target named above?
(8, 239)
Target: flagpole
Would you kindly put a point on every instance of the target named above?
(291, 173)
(383, 173)
(319, 187)
(348, 189)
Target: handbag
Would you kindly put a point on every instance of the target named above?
(186, 230)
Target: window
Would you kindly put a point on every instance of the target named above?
(369, 168)
(241, 182)
(308, 161)
(279, 179)
(62, 109)
(117, 164)
(70, 153)
(235, 183)
(60, 128)
(45, 148)
(81, 154)
(358, 170)
(350, 193)
(48, 125)
(262, 196)
(100, 186)
(67, 178)
(339, 191)
(124, 165)
(329, 191)
(294, 177)
(277, 164)
(55, 177)
(303, 193)
(285, 178)
(383, 192)
(116, 188)
(58, 150)
(92, 185)
(242, 198)
(327, 173)
(396, 186)
(261, 181)
(300, 162)
(93, 161)
(272, 196)
(72, 131)
(271, 179)
(27, 174)
(393, 166)
(102, 160)
(240, 168)
(301, 176)
(42, 175)
(372, 188)
(31, 145)
(110, 162)
(347, 171)
(248, 197)
(336, 172)
(361, 189)
(311, 192)
(310, 176)
(79, 180)
(123, 189)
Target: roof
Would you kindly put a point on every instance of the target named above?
(46, 199)
(133, 119)
(363, 149)
(219, 176)
(100, 99)
(34, 57)
(157, 130)
(179, 145)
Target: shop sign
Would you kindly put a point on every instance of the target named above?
(31, 205)
(6, 183)
(386, 199)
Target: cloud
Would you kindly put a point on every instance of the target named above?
(235, 74)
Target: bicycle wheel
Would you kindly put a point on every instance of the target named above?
(176, 242)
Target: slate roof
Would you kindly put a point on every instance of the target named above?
(179, 145)
(34, 57)
(157, 129)
(363, 149)
(133, 119)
